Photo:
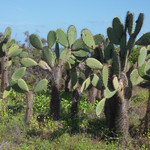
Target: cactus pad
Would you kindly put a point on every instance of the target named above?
(98, 38)
(41, 85)
(7, 33)
(109, 92)
(108, 52)
(112, 37)
(19, 73)
(62, 37)
(36, 41)
(130, 23)
(142, 56)
(80, 53)
(115, 83)
(23, 54)
(144, 39)
(65, 55)
(105, 75)
(88, 39)
(78, 44)
(71, 35)
(100, 107)
(44, 65)
(139, 23)
(95, 81)
(48, 56)
(51, 38)
(28, 62)
(93, 63)
(117, 28)
(22, 84)
(85, 84)
(57, 51)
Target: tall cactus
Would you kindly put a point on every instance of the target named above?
(113, 69)
(143, 70)
(18, 84)
(78, 53)
(8, 49)
(72, 54)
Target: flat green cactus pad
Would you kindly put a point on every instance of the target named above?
(41, 85)
(139, 23)
(80, 53)
(85, 84)
(71, 35)
(112, 37)
(98, 38)
(105, 75)
(51, 38)
(108, 52)
(7, 92)
(100, 107)
(28, 62)
(142, 56)
(36, 41)
(135, 78)
(117, 28)
(65, 55)
(115, 83)
(15, 87)
(93, 63)
(144, 39)
(130, 23)
(7, 33)
(88, 39)
(48, 56)
(23, 54)
(78, 44)
(62, 37)
(95, 80)
(19, 73)
(22, 84)
(44, 65)
(109, 92)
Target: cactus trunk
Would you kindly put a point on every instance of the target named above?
(116, 111)
(68, 81)
(29, 110)
(92, 93)
(74, 107)
(4, 71)
(55, 100)
(147, 116)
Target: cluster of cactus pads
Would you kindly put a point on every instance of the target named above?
(8, 49)
(109, 73)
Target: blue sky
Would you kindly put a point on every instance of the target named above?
(41, 16)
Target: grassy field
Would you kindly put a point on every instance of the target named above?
(90, 132)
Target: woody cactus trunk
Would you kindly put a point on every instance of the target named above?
(53, 63)
(8, 49)
(111, 71)
(18, 84)
(76, 53)
(143, 70)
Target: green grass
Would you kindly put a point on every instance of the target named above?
(92, 132)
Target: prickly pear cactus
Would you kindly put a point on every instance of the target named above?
(18, 84)
(8, 49)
